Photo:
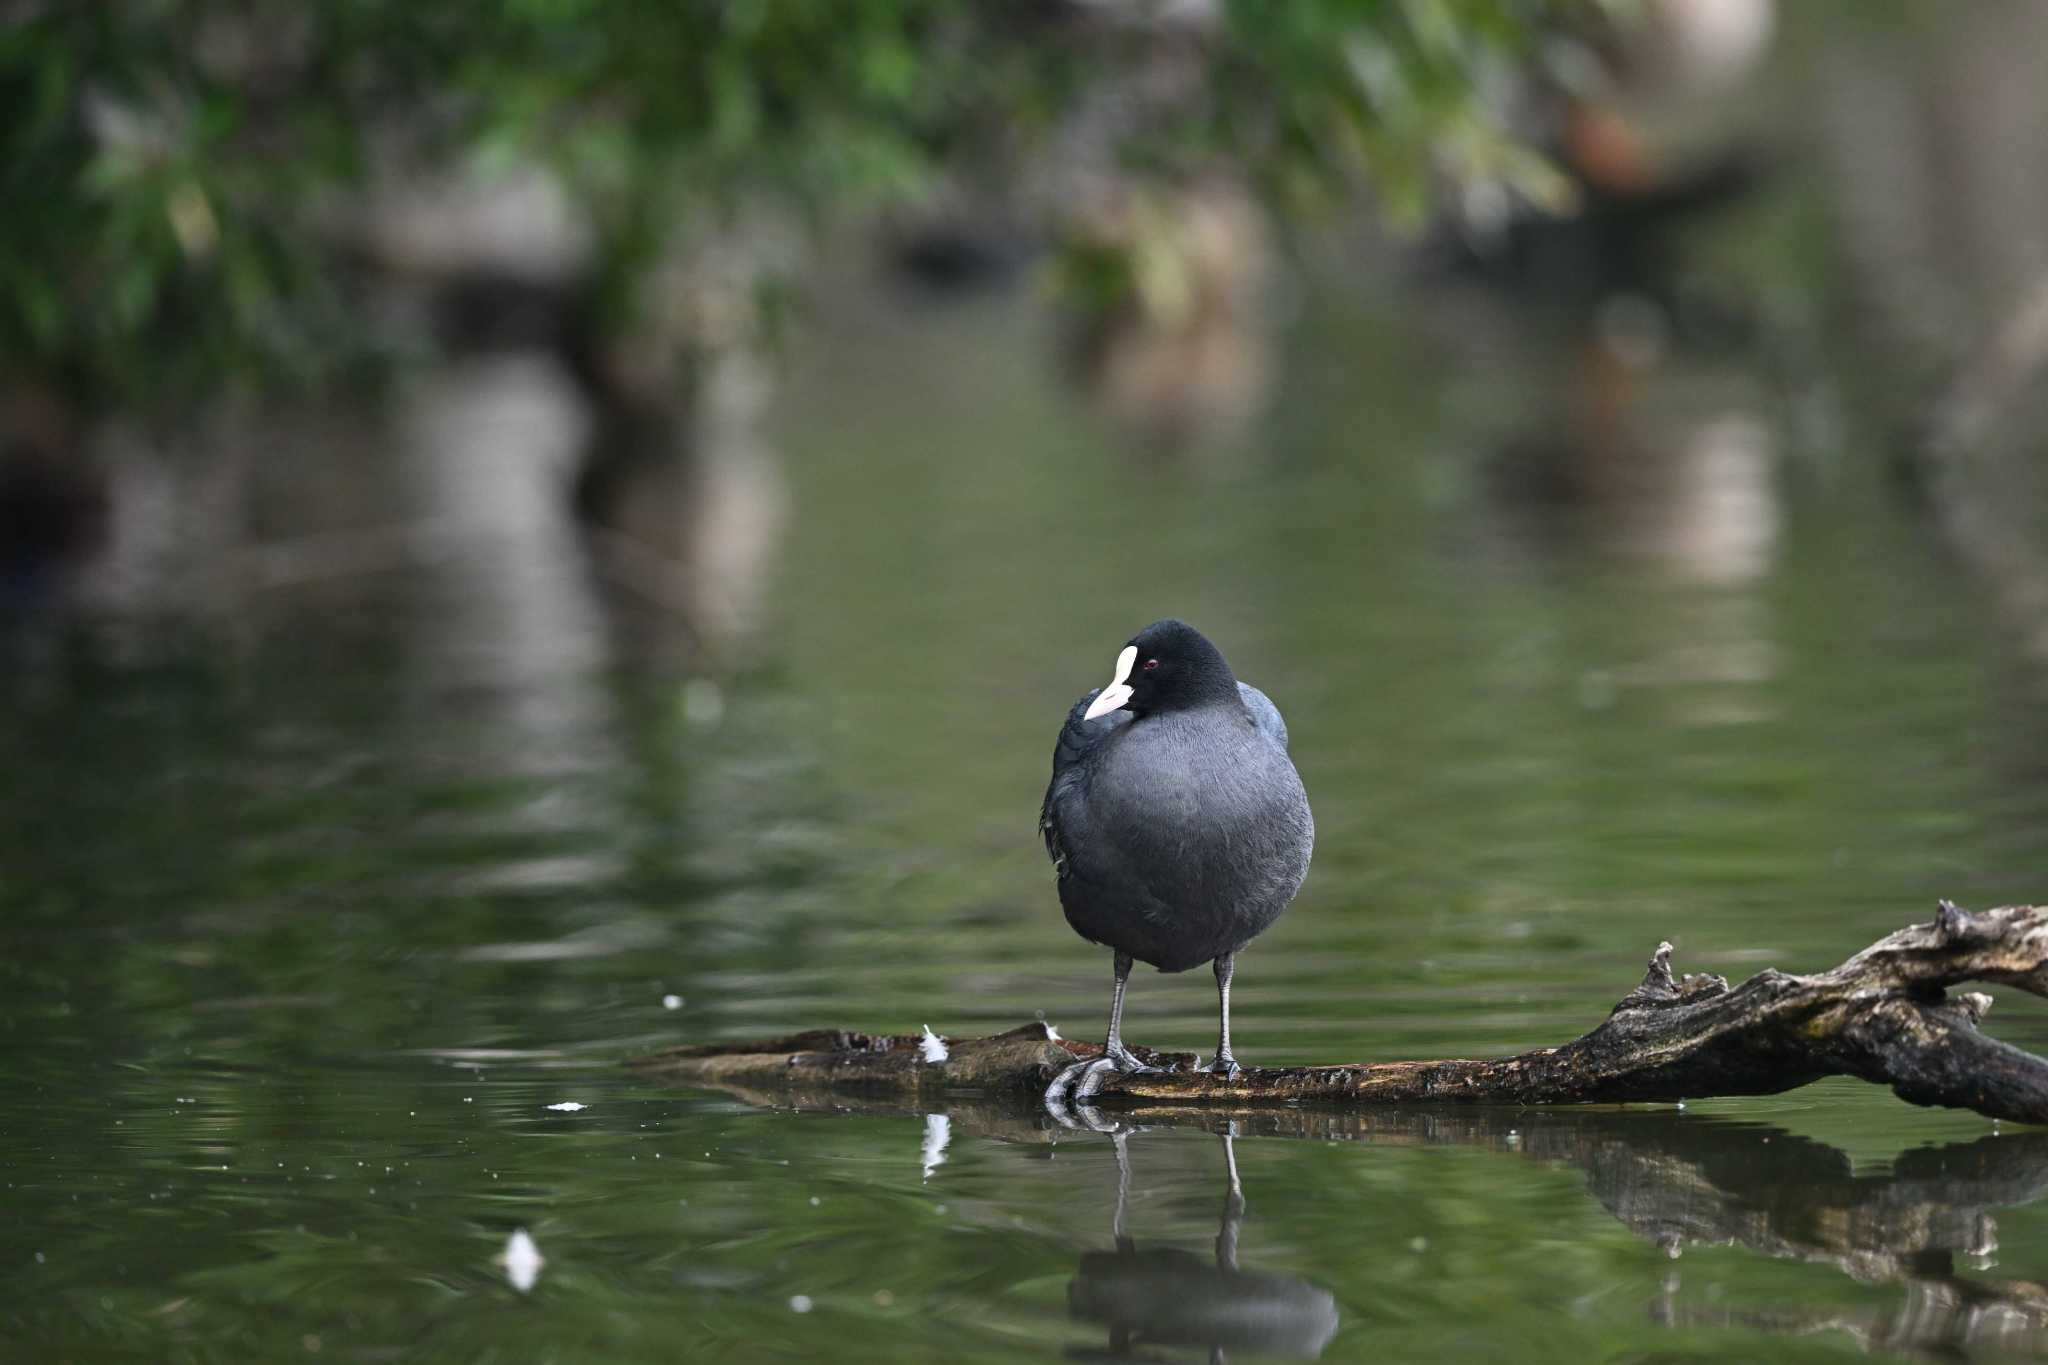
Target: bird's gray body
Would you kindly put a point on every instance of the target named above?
(1178, 836)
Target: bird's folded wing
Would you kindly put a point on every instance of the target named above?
(1077, 737)
(1265, 715)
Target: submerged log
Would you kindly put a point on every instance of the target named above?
(1885, 1016)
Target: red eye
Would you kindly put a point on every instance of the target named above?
(1151, 664)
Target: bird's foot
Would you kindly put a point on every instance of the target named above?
(1077, 1082)
(1081, 1080)
(1225, 1066)
(1127, 1061)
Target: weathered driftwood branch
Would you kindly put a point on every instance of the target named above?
(1884, 1016)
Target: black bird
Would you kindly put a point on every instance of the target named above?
(1175, 821)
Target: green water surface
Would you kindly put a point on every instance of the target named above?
(307, 922)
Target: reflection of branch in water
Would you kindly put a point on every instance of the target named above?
(1679, 1181)
(1171, 1297)
(1903, 1227)
(1940, 1317)
(1813, 1207)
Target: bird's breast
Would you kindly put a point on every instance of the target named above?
(1165, 794)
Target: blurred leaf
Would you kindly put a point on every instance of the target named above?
(154, 135)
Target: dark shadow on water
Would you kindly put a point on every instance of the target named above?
(1679, 1181)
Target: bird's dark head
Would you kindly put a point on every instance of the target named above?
(1167, 666)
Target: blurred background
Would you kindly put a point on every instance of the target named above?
(535, 531)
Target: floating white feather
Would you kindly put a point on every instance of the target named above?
(522, 1261)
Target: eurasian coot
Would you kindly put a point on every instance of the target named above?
(1175, 821)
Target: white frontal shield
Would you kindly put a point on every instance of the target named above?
(1119, 690)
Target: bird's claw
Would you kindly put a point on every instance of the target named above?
(1077, 1082)
(1225, 1066)
(1083, 1080)
(1127, 1062)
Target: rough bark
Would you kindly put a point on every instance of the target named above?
(1884, 1016)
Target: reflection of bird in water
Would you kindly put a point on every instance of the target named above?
(1172, 1297)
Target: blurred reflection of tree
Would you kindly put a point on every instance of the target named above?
(1642, 438)
(1928, 129)
(1653, 126)
(204, 201)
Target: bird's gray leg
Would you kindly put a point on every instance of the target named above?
(1225, 1064)
(1114, 1047)
(1083, 1079)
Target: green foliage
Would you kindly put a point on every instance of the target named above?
(1314, 94)
(165, 162)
